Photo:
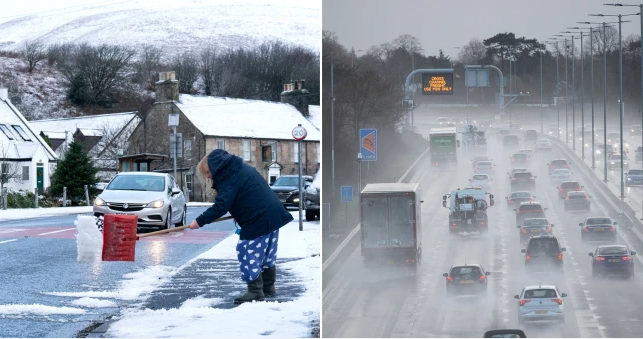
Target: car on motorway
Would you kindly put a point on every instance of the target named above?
(528, 210)
(530, 152)
(311, 198)
(286, 187)
(516, 170)
(155, 198)
(443, 121)
(523, 179)
(541, 302)
(543, 145)
(636, 130)
(543, 252)
(588, 137)
(518, 197)
(634, 177)
(485, 124)
(502, 133)
(612, 259)
(519, 159)
(577, 201)
(616, 147)
(506, 333)
(531, 135)
(599, 148)
(515, 126)
(614, 162)
(510, 141)
(613, 137)
(560, 175)
(556, 164)
(477, 158)
(480, 180)
(598, 229)
(466, 279)
(568, 186)
(534, 226)
(638, 154)
(484, 167)
(451, 124)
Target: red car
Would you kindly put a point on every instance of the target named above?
(568, 186)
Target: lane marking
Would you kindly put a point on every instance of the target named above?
(6, 241)
(67, 229)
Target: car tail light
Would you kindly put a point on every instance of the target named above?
(557, 300)
(566, 166)
(482, 223)
(552, 166)
(532, 178)
(449, 278)
(560, 255)
(548, 229)
(482, 278)
(599, 258)
(528, 257)
(453, 224)
(585, 229)
(578, 189)
(530, 200)
(560, 189)
(523, 302)
(611, 228)
(627, 258)
(476, 168)
(567, 198)
(523, 230)
(512, 159)
(586, 198)
(510, 201)
(488, 180)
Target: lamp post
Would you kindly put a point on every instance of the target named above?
(573, 93)
(557, 84)
(353, 54)
(582, 93)
(541, 90)
(566, 94)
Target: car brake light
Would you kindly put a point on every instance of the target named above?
(523, 302)
(449, 278)
(482, 278)
(530, 200)
(566, 166)
(585, 229)
(599, 258)
(548, 229)
(557, 300)
(567, 198)
(586, 198)
(528, 257)
(560, 255)
(578, 189)
(552, 166)
(524, 231)
(510, 200)
(611, 228)
(512, 179)
(627, 258)
(488, 180)
(476, 168)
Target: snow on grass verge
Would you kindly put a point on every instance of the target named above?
(93, 303)
(27, 213)
(38, 309)
(197, 317)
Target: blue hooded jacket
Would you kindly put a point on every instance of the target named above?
(243, 192)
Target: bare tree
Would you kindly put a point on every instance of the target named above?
(207, 67)
(9, 169)
(32, 52)
(149, 61)
(408, 43)
(610, 41)
(472, 52)
(186, 67)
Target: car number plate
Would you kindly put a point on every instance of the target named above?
(599, 229)
(123, 213)
(469, 221)
(614, 260)
(466, 281)
(535, 231)
(282, 200)
(541, 312)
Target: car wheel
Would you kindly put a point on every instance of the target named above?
(168, 220)
(310, 215)
(183, 220)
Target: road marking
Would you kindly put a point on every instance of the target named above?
(67, 229)
(6, 241)
(12, 230)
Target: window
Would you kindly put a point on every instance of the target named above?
(7, 132)
(187, 147)
(266, 153)
(318, 153)
(125, 166)
(221, 144)
(21, 132)
(273, 150)
(295, 152)
(246, 150)
(25, 173)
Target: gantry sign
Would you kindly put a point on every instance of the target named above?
(437, 83)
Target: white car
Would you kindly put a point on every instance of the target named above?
(516, 170)
(480, 180)
(542, 302)
(478, 158)
(543, 145)
(443, 121)
(614, 162)
(560, 175)
(484, 167)
(530, 152)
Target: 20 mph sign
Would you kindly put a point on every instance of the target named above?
(299, 133)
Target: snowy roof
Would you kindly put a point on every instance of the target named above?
(54, 135)
(97, 122)
(17, 138)
(91, 132)
(391, 187)
(315, 116)
(242, 118)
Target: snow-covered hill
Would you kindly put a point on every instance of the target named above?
(176, 25)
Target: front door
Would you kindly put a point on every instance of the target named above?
(40, 173)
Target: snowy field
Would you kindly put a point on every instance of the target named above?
(197, 318)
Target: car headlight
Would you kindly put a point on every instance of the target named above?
(99, 202)
(156, 204)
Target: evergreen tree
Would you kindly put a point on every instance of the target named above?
(74, 171)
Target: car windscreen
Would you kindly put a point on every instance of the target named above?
(137, 183)
(561, 171)
(511, 138)
(635, 172)
(483, 163)
(523, 175)
(535, 222)
(570, 185)
(543, 245)
(599, 221)
(521, 195)
(530, 208)
(559, 162)
(520, 156)
(287, 181)
(616, 250)
(482, 158)
(480, 177)
(576, 196)
(540, 293)
(466, 270)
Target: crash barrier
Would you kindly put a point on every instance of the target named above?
(351, 242)
(624, 210)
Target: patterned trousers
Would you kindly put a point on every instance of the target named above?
(257, 254)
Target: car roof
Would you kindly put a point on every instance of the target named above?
(559, 160)
(156, 174)
(572, 181)
(537, 219)
(577, 193)
(538, 287)
(612, 246)
(520, 192)
(519, 169)
(530, 203)
(467, 265)
(603, 217)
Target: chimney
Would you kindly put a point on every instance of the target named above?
(167, 88)
(296, 95)
(4, 94)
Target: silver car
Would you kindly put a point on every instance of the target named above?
(543, 302)
(154, 197)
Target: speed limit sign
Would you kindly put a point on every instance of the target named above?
(299, 133)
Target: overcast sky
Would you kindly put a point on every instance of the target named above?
(446, 24)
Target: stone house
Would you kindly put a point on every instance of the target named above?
(260, 132)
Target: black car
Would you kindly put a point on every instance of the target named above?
(505, 334)
(466, 279)
(523, 179)
(311, 198)
(528, 210)
(598, 228)
(286, 188)
(534, 227)
(577, 201)
(612, 259)
(518, 197)
(519, 159)
(556, 164)
(502, 133)
(531, 135)
(511, 141)
(544, 252)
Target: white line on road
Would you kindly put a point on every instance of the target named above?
(67, 229)
(6, 241)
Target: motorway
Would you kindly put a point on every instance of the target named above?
(394, 302)
(39, 258)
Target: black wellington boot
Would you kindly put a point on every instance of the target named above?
(269, 276)
(255, 292)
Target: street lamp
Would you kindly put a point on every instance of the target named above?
(582, 93)
(557, 82)
(566, 87)
(353, 54)
(573, 93)
(620, 90)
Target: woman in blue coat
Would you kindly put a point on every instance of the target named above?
(243, 192)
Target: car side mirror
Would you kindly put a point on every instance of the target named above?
(535, 176)
(515, 210)
(582, 187)
(487, 273)
(534, 197)
(633, 253)
(591, 254)
(544, 209)
(580, 224)
(421, 201)
(445, 275)
(563, 249)
(563, 295)
(175, 191)
(547, 164)
(516, 296)
(518, 226)
(557, 187)
(523, 251)
(615, 223)
(552, 225)
(444, 203)
(589, 196)
(507, 198)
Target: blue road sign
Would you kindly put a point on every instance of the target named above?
(347, 193)
(368, 144)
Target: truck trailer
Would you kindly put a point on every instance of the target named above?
(468, 210)
(443, 145)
